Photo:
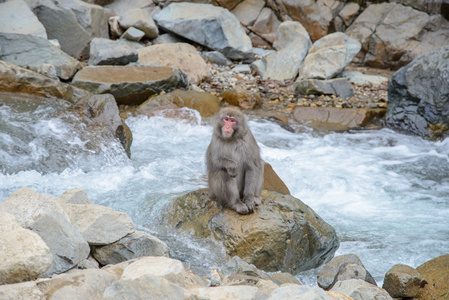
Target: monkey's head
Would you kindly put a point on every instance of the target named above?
(230, 123)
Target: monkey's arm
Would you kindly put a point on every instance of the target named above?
(229, 166)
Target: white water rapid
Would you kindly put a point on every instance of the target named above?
(385, 193)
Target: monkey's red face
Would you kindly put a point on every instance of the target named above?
(229, 124)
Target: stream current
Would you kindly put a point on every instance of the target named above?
(385, 193)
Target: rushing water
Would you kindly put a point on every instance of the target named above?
(385, 193)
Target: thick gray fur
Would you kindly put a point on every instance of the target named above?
(234, 166)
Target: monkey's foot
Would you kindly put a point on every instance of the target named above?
(257, 200)
(250, 203)
(241, 208)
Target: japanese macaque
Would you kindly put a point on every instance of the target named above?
(234, 166)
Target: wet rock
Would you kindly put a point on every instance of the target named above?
(99, 119)
(178, 56)
(16, 17)
(329, 56)
(159, 277)
(332, 118)
(128, 84)
(361, 290)
(108, 52)
(14, 79)
(209, 21)
(392, 35)
(140, 18)
(99, 225)
(23, 255)
(435, 276)
(343, 267)
(206, 104)
(339, 87)
(31, 52)
(285, 234)
(240, 97)
(402, 281)
(73, 24)
(134, 245)
(24, 290)
(418, 96)
(247, 11)
(77, 285)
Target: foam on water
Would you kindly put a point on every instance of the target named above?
(385, 193)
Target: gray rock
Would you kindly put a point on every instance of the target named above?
(133, 34)
(227, 292)
(266, 25)
(32, 52)
(208, 25)
(128, 84)
(418, 96)
(168, 38)
(134, 245)
(361, 290)
(74, 196)
(108, 52)
(402, 281)
(160, 277)
(392, 35)
(288, 32)
(329, 56)
(363, 79)
(180, 56)
(89, 263)
(299, 292)
(216, 57)
(66, 244)
(243, 68)
(140, 18)
(77, 285)
(237, 266)
(73, 23)
(429, 6)
(17, 17)
(23, 255)
(248, 11)
(285, 63)
(99, 225)
(25, 290)
(48, 70)
(339, 87)
(343, 267)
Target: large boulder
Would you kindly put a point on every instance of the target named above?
(99, 225)
(402, 281)
(177, 56)
(392, 34)
(73, 23)
(32, 52)
(15, 79)
(283, 233)
(108, 52)
(23, 255)
(418, 96)
(435, 276)
(17, 17)
(208, 25)
(329, 56)
(44, 215)
(128, 84)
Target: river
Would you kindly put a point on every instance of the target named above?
(385, 193)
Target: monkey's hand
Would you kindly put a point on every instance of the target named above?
(232, 171)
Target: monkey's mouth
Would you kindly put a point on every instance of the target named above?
(227, 133)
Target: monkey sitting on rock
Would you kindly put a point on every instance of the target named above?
(234, 166)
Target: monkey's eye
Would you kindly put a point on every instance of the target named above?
(229, 119)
